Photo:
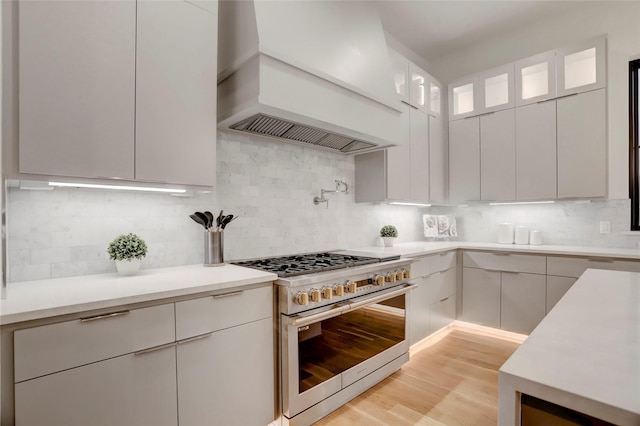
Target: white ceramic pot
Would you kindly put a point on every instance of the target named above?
(128, 267)
(388, 241)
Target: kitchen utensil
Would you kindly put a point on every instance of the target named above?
(226, 220)
(204, 219)
(522, 235)
(219, 220)
(505, 233)
(209, 216)
(199, 220)
(213, 248)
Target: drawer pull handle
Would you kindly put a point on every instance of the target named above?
(500, 253)
(446, 298)
(444, 253)
(99, 317)
(511, 272)
(235, 293)
(156, 348)
(193, 339)
(601, 259)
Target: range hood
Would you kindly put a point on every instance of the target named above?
(309, 72)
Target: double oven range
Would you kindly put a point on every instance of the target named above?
(342, 327)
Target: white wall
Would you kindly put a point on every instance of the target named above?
(620, 20)
(271, 186)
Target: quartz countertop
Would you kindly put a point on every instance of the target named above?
(584, 355)
(32, 300)
(420, 248)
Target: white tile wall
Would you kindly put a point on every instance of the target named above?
(271, 186)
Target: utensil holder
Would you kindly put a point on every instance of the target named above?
(213, 248)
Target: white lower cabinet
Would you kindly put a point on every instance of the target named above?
(442, 313)
(419, 308)
(523, 300)
(133, 389)
(226, 378)
(481, 297)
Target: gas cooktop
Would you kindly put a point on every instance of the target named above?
(300, 264)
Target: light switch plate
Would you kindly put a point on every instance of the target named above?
(605, 227)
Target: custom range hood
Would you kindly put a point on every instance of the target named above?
(308, 72)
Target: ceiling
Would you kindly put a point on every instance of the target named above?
(433, 28)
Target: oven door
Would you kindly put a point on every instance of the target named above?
(324, 352)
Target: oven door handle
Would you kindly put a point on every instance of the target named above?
(302, 320)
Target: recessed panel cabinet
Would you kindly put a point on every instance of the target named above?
(497, 156)
(464, 160)
(109, 90)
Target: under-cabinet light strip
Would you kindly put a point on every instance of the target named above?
(522, 202)
(117, 187)
(410, 204)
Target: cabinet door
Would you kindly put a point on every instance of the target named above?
(400, 68)
(464, 160)
(442, 313)
(582, 67)
(441, 285)
(419, 308)
(523, 301)
(495, 88)
(536, 174)
(463, 98)
(556, 288)
(227, 377)
(134, 389)
(582, 145)
(435, 97)
(535, 78)
(176, 93)
(398, 162)
(481, 297)
(498, 156)
(76, 90)
(438, 159)
(418, 92)
(419, 161)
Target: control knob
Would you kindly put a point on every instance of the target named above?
(407, 273)
(314, 295)
(301, 298)
(351, 287)
(327, 293)
(338, 289)
(390, 277)
(399, 275)
(378, 280)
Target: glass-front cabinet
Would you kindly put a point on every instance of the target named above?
(495, 89)
(581, 67)
(463, 98)
(535, 78)
(400, 68)
(435, 98)
(418, 96)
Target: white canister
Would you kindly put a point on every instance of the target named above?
(535, 238)
(522, 235)
(505, 233)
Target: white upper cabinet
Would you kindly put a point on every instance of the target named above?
(400, 68)
(581, 67)
(495, 89)
(463, 98)
(419, 91)
(535, 78)
(435, 98)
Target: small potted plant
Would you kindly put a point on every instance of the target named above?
(388, 234)
(127, 251)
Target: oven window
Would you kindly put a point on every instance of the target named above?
(329, 347)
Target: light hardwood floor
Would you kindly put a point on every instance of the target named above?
(451, 379)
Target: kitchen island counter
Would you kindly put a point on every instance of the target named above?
(584, 354)
(422, 248)
(32, 300)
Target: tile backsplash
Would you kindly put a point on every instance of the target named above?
(270, 185)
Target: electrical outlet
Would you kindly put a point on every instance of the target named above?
(605, 227)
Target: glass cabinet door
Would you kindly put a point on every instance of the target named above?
(463, 98)
(535, 78)
(435, 98)
(496, 89)
(400, 68)
(418, 96)
(581, 67)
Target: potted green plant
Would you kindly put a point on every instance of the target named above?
(127, 251)
(388, 234)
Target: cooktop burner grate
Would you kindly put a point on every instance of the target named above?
(289, 266)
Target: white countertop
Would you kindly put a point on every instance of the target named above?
(585, 354)
(31, 300)
(418, 248)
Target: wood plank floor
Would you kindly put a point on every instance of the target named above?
(451, 379)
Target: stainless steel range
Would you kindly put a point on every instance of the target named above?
(343, 327)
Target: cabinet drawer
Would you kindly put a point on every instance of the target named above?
(50, 348)
(574, 266)
(442, 313)
(441, 285)
(421, 267)
(505, 262)
(443, 261)
(211, 313)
